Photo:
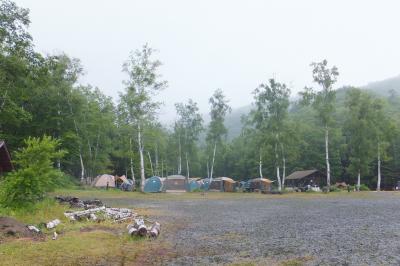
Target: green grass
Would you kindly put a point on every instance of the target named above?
(79, 243)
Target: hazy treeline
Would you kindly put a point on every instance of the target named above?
(349, 132)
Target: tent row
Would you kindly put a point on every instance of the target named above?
(178, 183)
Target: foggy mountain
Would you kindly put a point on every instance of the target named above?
(383, 88)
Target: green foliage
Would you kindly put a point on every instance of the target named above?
(334, 189)
(364, 187)
(36, 174)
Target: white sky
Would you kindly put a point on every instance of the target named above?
(233, 45)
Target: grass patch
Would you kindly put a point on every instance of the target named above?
(79, 243)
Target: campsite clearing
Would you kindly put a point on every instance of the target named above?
(230, 228)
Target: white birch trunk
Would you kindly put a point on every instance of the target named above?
(131, 164)
(260, 167)
(208, 170)
(187, 166)
(157, 168)
(142, 176)
(180, 157)
(378, 185)
(212, 163)
(358, 180)
(283, 167)
(151, 163)
(328, 167)
(82, 168)
(162, 168)
(277, 169)
(283, 172)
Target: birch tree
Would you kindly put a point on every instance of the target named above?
(323, 102)
(143, 84)
(271, 110)
(216, 129)
(189, 125)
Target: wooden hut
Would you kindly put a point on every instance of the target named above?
(260, 184)
(5, 159)
(301, 179)
(175, 183)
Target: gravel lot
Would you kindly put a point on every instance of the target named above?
(315, 230)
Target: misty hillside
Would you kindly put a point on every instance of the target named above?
(382, 88)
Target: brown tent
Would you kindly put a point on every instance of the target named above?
(260, 184)
(5, 159)
(223, 184)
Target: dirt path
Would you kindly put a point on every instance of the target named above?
(314, 231)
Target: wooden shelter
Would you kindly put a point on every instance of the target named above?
(304, 178)
(260, 184)
(223, 184)
(175, 183)
(5, 159)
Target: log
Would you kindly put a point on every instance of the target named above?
(52, 224)
(142, 230)
(155, 230)
(86, 213)
(33, 228)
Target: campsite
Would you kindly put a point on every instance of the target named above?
(237, 133)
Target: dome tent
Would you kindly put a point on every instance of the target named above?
(153, 184)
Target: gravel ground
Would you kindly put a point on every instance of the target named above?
(315, 230)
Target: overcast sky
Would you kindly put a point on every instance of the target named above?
(232, 45)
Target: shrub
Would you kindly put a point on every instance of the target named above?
(334, 189)
(36, 174)
(364, 187)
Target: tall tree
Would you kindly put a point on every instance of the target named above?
(190, 126)
(323, 102)
(216, 129)
(272, 103)
(138, 100)
(358, 128)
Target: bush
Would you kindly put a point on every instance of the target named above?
(334, 189)
(364, 187)
(36, 174)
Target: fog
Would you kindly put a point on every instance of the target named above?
(232, 45)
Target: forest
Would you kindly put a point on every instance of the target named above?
(350, 133)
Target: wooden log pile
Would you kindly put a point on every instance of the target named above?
(95, 210)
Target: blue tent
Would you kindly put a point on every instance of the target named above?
(153, 184)
(205, 184)
(194, 185)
